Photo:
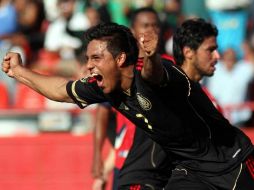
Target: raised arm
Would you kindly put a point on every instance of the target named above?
(101, 124)
(152, 70)
(51, 87)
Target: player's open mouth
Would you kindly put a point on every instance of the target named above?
(98, 78)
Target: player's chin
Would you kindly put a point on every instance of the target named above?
(210, 73)
(106, 90)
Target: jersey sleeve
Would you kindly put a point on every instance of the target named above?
(167, 66)
(85, 92)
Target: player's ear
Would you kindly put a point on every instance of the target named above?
(188, 52)
(121, 58)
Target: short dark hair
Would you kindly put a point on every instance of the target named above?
(118, 37)
(191, 33)
(136, 12)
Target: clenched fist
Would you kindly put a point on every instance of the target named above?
(148, 42)
(11, 62)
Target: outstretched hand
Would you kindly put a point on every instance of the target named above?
(148, 42)
(10, 62)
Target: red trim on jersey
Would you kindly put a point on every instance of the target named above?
(168, 57)
(135, 187)
(213, 100)
(139, 64)
(126, 140)
(250, 165)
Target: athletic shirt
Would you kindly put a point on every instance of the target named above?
(146, 162)
(177, 115)
(214, 101)
(124, 138)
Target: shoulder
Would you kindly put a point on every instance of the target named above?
(168, 58)
(85, 91)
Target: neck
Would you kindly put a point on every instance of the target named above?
(127, 78)
(141, 53)
(191, 72)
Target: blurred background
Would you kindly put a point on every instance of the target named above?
(48, 145)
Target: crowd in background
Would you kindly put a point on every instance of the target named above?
(48, 34)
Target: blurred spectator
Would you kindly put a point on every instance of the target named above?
(28, 39)
(102, 6)
(59, 43)
(227, 5)
(249, 56)
(229, 86)
(29, 34)
(142, 3)
(199, 10)
(231, 19)
(9, 25)
(171, 16)
(8, 20)
(250, 29)
(31, 28)
(248, 49)
(57, 40)
(8, 17)
(51, 9)
(93, 18)
(119, 10)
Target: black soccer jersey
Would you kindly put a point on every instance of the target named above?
(146, 163)
(178, 116)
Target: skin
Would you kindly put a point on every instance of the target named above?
(101, 124)
(229, 59)
(201, 62)
(100, 61)
(145, 22)
(115, 74)
(52, 87)
(66, 7)
(146, 30)
(152, 70)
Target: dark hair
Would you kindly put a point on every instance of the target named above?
(136, 12)
(191, 33)
(118, 37)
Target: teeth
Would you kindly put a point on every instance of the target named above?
(94, 75)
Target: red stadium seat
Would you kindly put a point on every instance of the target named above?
(4, 100)
(26, 98)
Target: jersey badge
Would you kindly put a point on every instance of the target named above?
(144, 103)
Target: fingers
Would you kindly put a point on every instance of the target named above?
(6, 64)
(10, 55)
(99, 184)
(7, 57)
(10, 62)
(148, 42)
(97, 170)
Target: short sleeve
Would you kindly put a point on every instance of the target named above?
(85, 92)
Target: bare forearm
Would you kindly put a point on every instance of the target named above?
(153, 70)
(51, 87)
(101, 124)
